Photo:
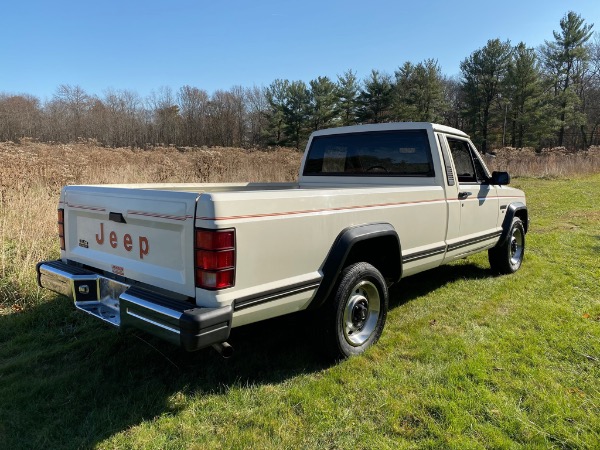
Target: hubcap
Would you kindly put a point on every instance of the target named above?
(516, 247)
(361, 313)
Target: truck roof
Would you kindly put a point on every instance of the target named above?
(391, 126)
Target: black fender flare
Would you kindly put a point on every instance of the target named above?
(511, 212)
(340, 250)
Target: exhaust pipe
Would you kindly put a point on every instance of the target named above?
(223, 349)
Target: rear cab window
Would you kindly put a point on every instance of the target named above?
(379, 154)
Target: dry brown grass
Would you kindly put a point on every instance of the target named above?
(550, 162)
(57, 165)
(31, 175)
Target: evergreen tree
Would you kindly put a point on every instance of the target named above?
(296, 112)
(404, 105)
(591, 97)
(527, 106)
(565, 61)
(323, 103)
(276, 95)
(453, 102)
(419, 92)
(375, 98)
(482, 74)
(347, 93)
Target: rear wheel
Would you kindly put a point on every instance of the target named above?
(507, 258)
(358, 310)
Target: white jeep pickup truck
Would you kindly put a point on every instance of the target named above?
(373, 204)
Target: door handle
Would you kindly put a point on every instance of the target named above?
(463, 195)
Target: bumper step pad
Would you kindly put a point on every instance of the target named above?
(125, 306)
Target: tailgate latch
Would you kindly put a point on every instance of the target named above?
(116, 217)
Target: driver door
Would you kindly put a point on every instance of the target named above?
(479, 205)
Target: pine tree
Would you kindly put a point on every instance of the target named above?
(375, 99)
(526, 104)
(296, 112)
(323, 103)
(347, 93)
(482, 74)
(276, 95)
(419, 92)
(591, 97)
(404, 105)
(453, 102)
(565, 60)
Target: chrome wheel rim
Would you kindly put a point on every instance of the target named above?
(516, 247)
(361, 313)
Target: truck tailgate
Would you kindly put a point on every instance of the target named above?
(142, 235)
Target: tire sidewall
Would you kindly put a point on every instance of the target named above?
(516, 223)
(500, 257)
(349, 278)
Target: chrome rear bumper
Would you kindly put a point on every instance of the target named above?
(123, 306)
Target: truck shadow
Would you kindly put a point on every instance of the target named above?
(71, 382)
(597, 246)
(425, 282)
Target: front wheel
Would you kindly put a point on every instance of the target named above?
(358, 310)
(507, 258)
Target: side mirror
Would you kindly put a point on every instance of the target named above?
(500, 178)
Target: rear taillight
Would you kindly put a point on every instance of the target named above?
(61, 227)
(215, 258)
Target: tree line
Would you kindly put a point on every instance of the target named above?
(505, 95)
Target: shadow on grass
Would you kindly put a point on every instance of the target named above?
(68, 381)
(423, 283)
(597, 246)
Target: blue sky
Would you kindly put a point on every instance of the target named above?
(144, 45)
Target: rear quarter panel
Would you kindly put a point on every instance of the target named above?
(283, 238)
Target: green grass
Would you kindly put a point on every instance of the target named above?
(467, 360)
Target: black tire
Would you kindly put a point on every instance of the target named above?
(356, 313)
(508, 257)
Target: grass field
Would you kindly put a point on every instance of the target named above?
(467, 359)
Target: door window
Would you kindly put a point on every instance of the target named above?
(469, 167)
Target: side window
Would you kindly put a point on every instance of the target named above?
(469, 167)
(480, 170)
(463, 162)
